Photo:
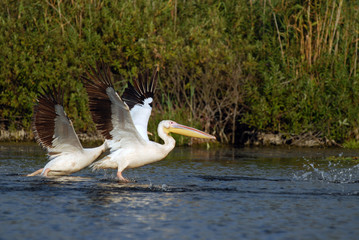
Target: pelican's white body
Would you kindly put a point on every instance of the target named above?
(136, 154)
(66, 163)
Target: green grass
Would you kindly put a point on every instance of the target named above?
(351, 144)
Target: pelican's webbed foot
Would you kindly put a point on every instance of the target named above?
(121, 178)
(35, 173)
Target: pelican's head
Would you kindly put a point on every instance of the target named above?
(173, 127)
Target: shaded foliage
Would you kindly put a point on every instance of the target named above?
(287, 66)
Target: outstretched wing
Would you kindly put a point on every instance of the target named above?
(139, 98)
(52, 128)
(110, 114)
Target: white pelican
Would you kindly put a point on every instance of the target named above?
(123, 121)
(54, 131)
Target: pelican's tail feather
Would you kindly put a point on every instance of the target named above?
(104, 163)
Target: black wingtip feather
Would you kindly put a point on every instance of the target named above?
(43, 123)
(96, 81)
(143, 87)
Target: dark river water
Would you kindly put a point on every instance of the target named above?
(195, 193)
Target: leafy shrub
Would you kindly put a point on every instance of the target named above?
(288, 66)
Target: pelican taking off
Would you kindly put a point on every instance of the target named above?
(54, 131)
(123, 121)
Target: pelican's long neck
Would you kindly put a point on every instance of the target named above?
(170, 142)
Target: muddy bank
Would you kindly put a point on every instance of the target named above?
(25, 136)
(248, 138)
(253, 138)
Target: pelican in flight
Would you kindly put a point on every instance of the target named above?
(54, 131)
(123, 121)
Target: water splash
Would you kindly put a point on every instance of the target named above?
(331, 171)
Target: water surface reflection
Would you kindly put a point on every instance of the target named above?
(250, 193)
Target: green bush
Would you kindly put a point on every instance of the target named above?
(287, 66)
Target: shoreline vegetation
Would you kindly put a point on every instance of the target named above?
(249, 72)
(248, 139)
